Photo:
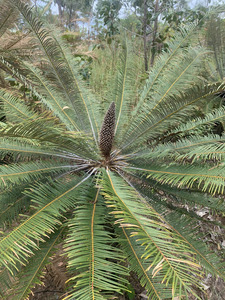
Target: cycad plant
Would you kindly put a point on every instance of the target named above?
(109, 178)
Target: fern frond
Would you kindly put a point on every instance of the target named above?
(187, 176)
(18, 173)
(134, 253)
(207, 258)
(49, 48)
(87, 106)
(8, 16)
(30, 275)
(14, 108)
(62, 75)
(48, 133)
(167, 261)
(28, 148)
(51, 202)
(192, 126)
(172, 72)
(166, 62)
(196, 198)
(6, 281)
(123, 87)
(210, 146)
(91, 252)
(50, 97)
(12, 203)
(176, 109)
(182, 223)
(189, 197)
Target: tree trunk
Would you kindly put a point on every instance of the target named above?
(35, 5)
(60, 13)
(145, 35)
(155, 30)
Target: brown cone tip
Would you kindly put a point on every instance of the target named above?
(107, 131)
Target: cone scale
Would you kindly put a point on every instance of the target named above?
(106, 135)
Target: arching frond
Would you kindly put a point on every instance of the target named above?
(62, 75)
(188, 176)
(167, 262)
(47, 133)
(166, 63)
(6, 281)
(14, 108)
(28, 148)
(51, 201)
(187, 197)
(192, 126)
(47, 45)
(91, 252)
(176, 109)
(210, 146)
(16, 173)
(12, 203)
(29, 275)
(7, 17)
(181, 221)
(87, 105)
(50, 97)
(123, 88)
(134, 253)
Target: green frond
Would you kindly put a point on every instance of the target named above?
(183, 211)
(6, 281)
(213, 152)
(30, 275)
(12, 203)
(87, 106)
(45, 132)
(121, 85)
(206, 147)
(177, 49)
(186, 176)
(167, 261)
(172, 72)
(51, 201)
(196, 198)
(29, 149)
(169, 115)
(24, 172)
(123, 88)
(16, 73)
(196, 124)
(49, 48)
(91, 251)
(7, 17)
(181, 223)
(185, 196)
(63, 75)
(50, 97)
(134, 253)
(14, 108)
(207, 258)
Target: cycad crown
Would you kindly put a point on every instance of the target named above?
(108, 204)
